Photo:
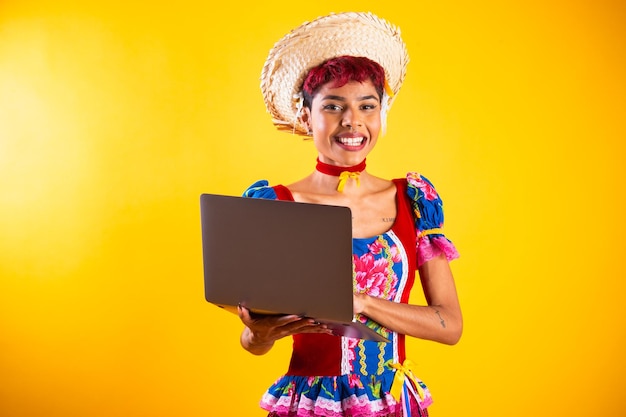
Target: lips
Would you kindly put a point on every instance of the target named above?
(351, 141)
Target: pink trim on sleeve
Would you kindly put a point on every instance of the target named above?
(429, 247)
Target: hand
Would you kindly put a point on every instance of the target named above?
(358, 302)
(263, 330)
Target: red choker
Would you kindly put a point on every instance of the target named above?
(336, 171)
(344, 173)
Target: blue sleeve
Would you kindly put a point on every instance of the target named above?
(428, 214)
(260, 189)
(427, 204)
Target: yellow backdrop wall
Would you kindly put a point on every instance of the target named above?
(115, 116)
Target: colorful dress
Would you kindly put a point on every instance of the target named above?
(339, 376)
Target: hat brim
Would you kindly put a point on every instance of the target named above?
(312, 43)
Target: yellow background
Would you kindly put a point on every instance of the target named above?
(115, 116)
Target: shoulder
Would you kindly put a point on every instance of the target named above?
(262, 189)
(426, 202)
(421, 188)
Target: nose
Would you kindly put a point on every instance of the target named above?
(350, 119)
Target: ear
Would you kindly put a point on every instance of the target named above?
(305, 118)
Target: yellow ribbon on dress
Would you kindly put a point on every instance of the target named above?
(344, 176)
(436, 231)
(404, 371)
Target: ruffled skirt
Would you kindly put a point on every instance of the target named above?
(338, 396)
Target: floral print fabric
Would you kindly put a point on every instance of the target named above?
(360, 382)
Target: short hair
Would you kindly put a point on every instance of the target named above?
(342, 70)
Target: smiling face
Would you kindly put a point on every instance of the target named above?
(345, 122)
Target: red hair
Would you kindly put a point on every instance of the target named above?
(342, 70)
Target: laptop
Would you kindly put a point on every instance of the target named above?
(281, 257)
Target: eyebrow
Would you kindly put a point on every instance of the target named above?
(341, 98)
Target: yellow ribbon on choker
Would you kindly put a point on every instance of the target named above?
(404, 371)
(344, 176)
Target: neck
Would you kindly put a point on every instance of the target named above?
(335, 170)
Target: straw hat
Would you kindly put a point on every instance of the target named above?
(312, 43)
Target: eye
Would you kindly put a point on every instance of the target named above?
(332, 107)
(369, 106)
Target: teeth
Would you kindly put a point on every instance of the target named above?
(351, 141)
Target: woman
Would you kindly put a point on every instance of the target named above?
(334, 79)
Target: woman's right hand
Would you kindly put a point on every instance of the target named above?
(262, 331)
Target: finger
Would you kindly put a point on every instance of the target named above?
(243, 313)
(288, 319)
(318, 330)
(305, 326)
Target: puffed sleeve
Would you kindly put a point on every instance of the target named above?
(261, 189)
(428, 209)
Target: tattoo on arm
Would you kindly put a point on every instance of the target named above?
(441, 320)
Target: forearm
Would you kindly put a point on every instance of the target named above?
(438, 323)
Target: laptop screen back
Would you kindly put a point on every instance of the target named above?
(278, 257)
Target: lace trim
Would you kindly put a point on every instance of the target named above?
(430, 247)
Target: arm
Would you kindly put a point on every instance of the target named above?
(262, 331)
(440, 320)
